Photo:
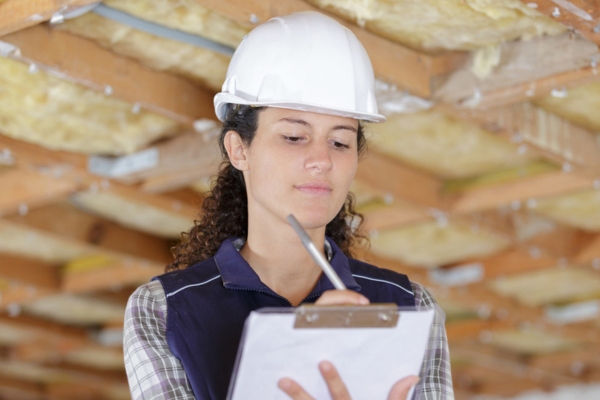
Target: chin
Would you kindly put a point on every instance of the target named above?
(311, 219)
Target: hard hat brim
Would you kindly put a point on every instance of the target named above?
(222, 99)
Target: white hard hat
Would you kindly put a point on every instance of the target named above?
(304, 61)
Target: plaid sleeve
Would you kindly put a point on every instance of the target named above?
(436, 377)
(152, 370)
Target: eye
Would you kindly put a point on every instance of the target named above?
(340, 145)
(293, 139)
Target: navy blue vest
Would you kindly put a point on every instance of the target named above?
(207, 305)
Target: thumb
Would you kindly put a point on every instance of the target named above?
(401, 388)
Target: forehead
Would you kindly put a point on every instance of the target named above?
(272, 116)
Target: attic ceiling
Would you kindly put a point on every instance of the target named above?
(483, 184)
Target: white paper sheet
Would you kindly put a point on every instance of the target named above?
(369, 360)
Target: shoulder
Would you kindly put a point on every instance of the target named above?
(376, 282)
(381, 276)
(149, 296)
(197, 275)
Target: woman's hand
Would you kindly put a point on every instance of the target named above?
(341, 298)
(338, 389)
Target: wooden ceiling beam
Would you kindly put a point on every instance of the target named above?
(581, 15)
(112, 277)
(17, 294)
(73, 168)
(18, 14)
(99, 68)
(91, 230)
(538, 132)
(419, 73)
(23, 189)
(388, 177)
(394, 215)
(538, 88)
(25, 388)
(184, 159)
(503, 194)
(84, 257)
(57, 333)
(29, 272)
(590, 253)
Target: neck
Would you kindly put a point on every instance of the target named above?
(281, 261)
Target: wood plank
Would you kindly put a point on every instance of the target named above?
(23, 189)
(394, 215)
(385, 176)
(17, 294)
(61, 334)
(554, 138)
(29, 271)
(89, 229)
(521, 62)
(19, 14)
(538, 186)
(419, 73)
(97, 67)
(73, 168)
(472, 329)
(538, 88)
(581, 15)
(513, 261)
(112, 277)
(183, 159)
(590, 253)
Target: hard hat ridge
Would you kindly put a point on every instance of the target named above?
(305, 61)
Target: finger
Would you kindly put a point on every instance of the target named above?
(293, 389)
(402, 387)
(341, 297)
(337, 388)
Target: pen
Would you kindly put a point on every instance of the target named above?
(316, 254)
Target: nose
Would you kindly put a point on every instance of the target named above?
(319, 158)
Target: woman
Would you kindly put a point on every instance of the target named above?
(296, 92)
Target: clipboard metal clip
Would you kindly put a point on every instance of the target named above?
(382, 315)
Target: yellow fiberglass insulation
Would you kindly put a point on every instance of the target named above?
(62, 115)
(185, 15)
(445, 24)
(579, 105)
(203, 66)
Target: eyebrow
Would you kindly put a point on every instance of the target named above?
(305, 123)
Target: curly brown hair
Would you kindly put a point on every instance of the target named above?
(225, 209)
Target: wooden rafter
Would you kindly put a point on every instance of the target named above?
(24, 188)
(581, 15)
(99, 68)
(538, 186)
(90, 230)
(542, 133)
(29, 271)
(18, 14)
(73, 168)
(389, 177)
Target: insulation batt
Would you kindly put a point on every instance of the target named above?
(580, 105)
(446, 24)
(61, 115)
(430, 245)
(203, 66)
(445, 146)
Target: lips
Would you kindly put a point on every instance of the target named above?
(316, 188)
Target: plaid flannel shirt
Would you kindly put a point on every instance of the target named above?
(154, 373)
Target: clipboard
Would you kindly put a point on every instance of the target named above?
(372, 347)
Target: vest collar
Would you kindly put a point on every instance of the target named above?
(236, 273)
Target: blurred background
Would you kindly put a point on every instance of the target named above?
(483, 184)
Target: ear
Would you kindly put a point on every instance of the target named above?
(236, 150)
